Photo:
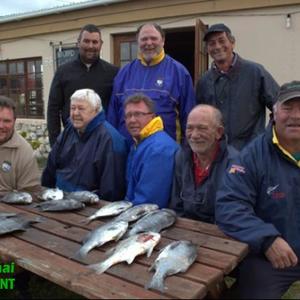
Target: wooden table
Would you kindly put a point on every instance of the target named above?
(45, 249)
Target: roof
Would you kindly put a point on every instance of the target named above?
(57, 9)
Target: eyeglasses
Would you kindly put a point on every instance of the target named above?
(137, 114)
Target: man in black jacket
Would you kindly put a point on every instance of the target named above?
(86, 71)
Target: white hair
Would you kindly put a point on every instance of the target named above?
(90, 96)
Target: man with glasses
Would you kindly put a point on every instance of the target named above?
(151, 158)
(240, 88)
(200, 165)
(86, 71)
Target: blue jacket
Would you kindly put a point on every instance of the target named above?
(150, 169)
(242, 96)
(198, 202)
(167, 83)
(260, 196)
(94, 161)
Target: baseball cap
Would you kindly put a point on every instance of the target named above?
(220, 27)
(289, 91)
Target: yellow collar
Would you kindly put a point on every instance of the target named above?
(156, 60)
(287, 153)
(153, 126)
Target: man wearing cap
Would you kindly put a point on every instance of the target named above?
(240, 88)
(258, 203)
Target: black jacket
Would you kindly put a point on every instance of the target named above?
(198, 202)
(73, 76)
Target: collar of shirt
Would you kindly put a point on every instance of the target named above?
(284, 151)
(153, 126)
(201, 173)
(156, 60)
(215, 67)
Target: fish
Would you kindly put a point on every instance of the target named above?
(174, 258)
(85, 197)
(111, 209)
(51, 194)
(155, 221)
(63, 205)
(136, 212)
(15, 223)
(128, 249)
(108, 232)
(17, 198)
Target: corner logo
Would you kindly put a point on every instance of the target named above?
(237, 169)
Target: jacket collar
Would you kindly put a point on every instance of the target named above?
(156, 60)
(152, 127)
(13, 142)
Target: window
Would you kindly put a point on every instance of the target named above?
(21, 80)
(125, 49)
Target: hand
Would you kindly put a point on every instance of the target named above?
(281, 255)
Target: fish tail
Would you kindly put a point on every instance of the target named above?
(156, 283)
(79, 255)
(100, 267)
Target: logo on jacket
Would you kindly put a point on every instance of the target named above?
(159, 82)
(271, 189)
(274, 194)
(237, 169)
(6, 166)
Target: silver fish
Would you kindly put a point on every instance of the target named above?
(174, 258)
(86, 197)
(111, 209)
(128, 249)
(108, 232)
(15, 223)
(63, 205)
(51, 194)
(17, 198)
(155, 221)
(136, 212)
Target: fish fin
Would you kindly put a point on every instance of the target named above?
(130, 260)
(100, 267)
(110, 251)
(152, 267)
(156, 283)
(149, 251)
(79, 255)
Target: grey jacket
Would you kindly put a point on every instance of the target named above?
(198, 202)
(242, 95)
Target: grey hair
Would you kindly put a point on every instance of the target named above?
(140, 97)
(217, 115)
(90, 96)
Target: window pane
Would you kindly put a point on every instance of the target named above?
(3, 83)
(133, 50)
(30, 67)
(20, 68)
(20, 102)
(125, 51)
(12, 68)
(38, 66)
(17, 83)
(3, 68)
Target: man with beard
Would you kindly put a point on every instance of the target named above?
(200, 165)
(155, 74)
(258, 203)
(86, 71)
(241, 89)
(18, 166)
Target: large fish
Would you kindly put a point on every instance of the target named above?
(86, 197)
(15, 223)
(136, 212)
(155, 221)
(174, 258)
(128, 249)
(111, 209)
(17, 198)
(108, 232)
(51, 194)
(63, 205)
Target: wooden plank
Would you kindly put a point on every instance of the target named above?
(57, 269)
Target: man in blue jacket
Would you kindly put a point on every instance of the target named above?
(151, 159)
(259, 203)
(240, 88)
(89, 154)
(166, 81)
(200, 165)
